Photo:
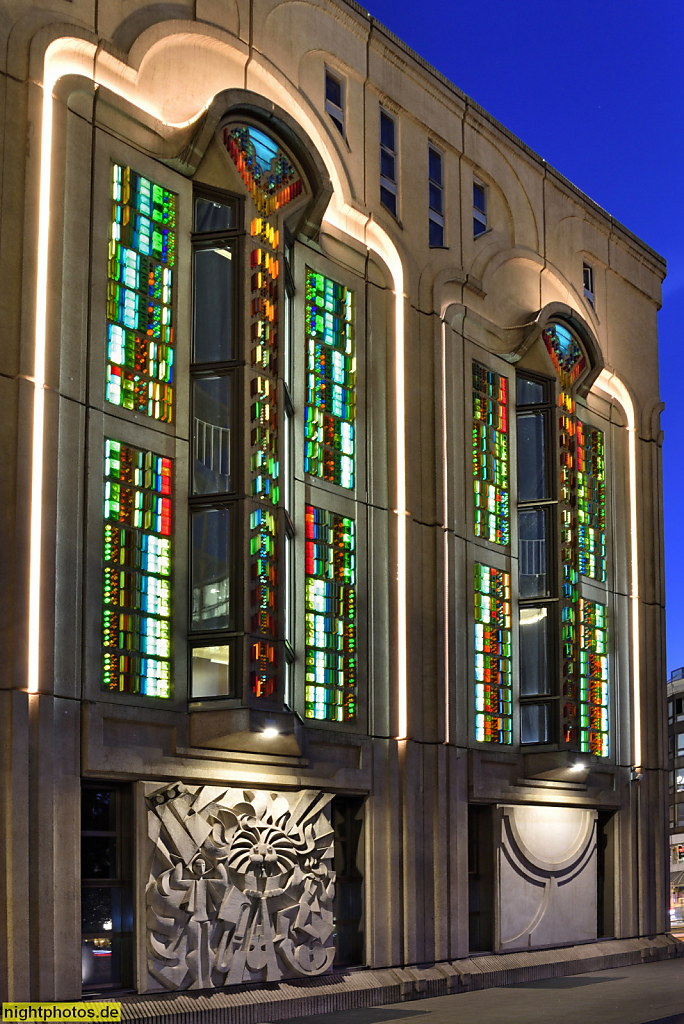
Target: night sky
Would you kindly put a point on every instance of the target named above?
(596, 89)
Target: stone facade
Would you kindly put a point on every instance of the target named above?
(333, 566)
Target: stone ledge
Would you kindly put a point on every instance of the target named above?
(255, 1004)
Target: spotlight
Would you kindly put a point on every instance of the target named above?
(270, 733)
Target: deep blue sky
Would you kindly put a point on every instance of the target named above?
(597, 90)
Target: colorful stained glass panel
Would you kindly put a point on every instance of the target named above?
(139, 295)
(330, 381)
(137, 571)
(492, 655)
(594, 691)
(591, 502)
(490, 454)
(330, 616)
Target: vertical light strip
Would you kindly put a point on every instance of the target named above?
(445, 517)
(33, 678)
(77, 56)
(613, 386)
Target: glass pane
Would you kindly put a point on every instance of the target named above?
(531, 457)
(100, 910)
(532, 553)
(210, 672)
(333, 90)
(98, 810)
(436, 235)
(530, 392)
(435, 166)
(479, 227)
(387, 131)
(98, 857)
(214, 272)
(435, 198)
(100, 962)
(534, 723)
(533, 651)
(211, 426)
(211, 216)
(387, 165)
(388, 199)
(479, 197)
(211, 569)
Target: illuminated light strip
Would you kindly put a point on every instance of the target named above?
(614, 387)
(445, 516)
(72, 56)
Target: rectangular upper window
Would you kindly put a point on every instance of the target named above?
(435, 198)
(388, 162)
(588, 281)
(334, 100)
(479, 208)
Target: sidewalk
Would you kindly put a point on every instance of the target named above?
(651, 993)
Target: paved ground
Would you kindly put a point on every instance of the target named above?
(644, 994)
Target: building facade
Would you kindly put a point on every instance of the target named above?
(333, 575)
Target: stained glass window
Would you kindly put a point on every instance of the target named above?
(565, 353)
(492, 655)
(330, 616)
(139, 295)
(272, 181)
(490, 454)
(593, 678)
(591, 502)
(330, 381)
(137, 571)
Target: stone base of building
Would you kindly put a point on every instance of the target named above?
(252, 1004)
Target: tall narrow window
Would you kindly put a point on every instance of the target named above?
(213, 477)
(588, 281)
(435, 198)
(330, 381)
(490, 454)
(388, 162)
(334, 100)
(330, 616)
(536, 576)
(139, 296)
(137, 571)
(106, 887)
(479, 208)
(492, 655)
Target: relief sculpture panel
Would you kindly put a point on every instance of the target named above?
(240, 886)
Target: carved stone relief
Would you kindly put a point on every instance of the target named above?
(547, 876)
(240, 885)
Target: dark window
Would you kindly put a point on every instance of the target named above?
(388, 170)
(588, 280)
(435, 199)
(216, 374)
(106, 887)
(537, 526)
(334, 100)
(479, 208)
(214, 304)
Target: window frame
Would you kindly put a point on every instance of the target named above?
(588, 282)
(389, 185)
(337, 113)
(548, 505)
(232, 369)
(436, 217)
(480, 216)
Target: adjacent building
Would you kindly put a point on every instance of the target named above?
(333, 573)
